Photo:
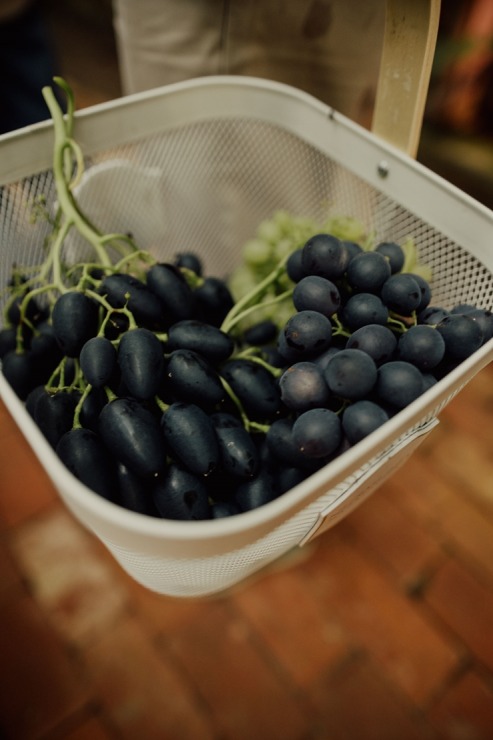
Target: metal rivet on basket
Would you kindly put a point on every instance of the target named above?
(383, 168)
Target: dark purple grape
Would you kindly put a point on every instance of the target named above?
(287, 478)
(192, 379)
(181, 495)
(256, 492)
(45, 351)
(255, 387)
(122, 290)
(133, 435)
(190, 261)
(82, 452)
(353, 248)
(20, 372)
(425, 289)
(323, 360)
(8, 340)
(432, 315)
(134, 493)
(483, 317)
(75, 319)
(262, 333)
(462, 335)
(54, 414)
(91, 408)
(394, 253)
(238, 453)
(305, 335)
(421, 345)
(399, 383)
(190, 437)
(206, 339)
(401, 293)
(214, 300)
(317, 433)
(367, 272)
(32, 400)
(294, 266)
(141, 362)
(376, 340)
(303, 387)
(98, 361)
(362, 309)
(325, 255)
(315, 293)
(361, 418)
(175, 295)
(351, 374)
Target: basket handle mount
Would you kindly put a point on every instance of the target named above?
(411, 28)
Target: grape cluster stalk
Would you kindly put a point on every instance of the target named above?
(176, 395)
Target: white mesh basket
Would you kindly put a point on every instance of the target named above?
(197, 166)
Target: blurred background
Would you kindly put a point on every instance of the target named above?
(381, 629)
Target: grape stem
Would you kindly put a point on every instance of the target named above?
(237, 312)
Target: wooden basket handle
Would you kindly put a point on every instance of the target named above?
(411, 28)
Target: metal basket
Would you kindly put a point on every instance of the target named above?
(198, 165)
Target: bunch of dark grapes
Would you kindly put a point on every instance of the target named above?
(153, 397)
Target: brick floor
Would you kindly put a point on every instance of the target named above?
(381, 631)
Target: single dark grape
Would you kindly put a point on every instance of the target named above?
(315, 293)
(122, 290)
(303, 387)
(83, 453)
(91, 408)
(361, 418)
(262, 333)
(75, 319)
(425, 289)
(325, 255)
(401, 293)
(98, 359)
(213, 300)
(206, 339)
(399, 383)
(294, 266)
(255, 387)
(394, 253)
(462, 335)
(8, 340)
(239, 455)
(351, 374)
(181, 495)
(376, 340)
(45, 351)
(422, 345)
(432, 315)
(483, 317)
(317, 433)
(305, 335)
(192, 379)
(353, 248)
(281, 445)
(141, 362)
(256, 492)
(190, 437)
(32, 400)
(367, 272)
(20, 372)
(190, 261)
(364, 308)
(134, 436)
(134, 493)
(54, 414)
(175, 295)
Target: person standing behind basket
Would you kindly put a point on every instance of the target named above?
(329, 48)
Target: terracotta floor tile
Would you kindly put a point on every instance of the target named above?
(404, 548)
(356, 701)
(242, 685)
(465, 604)
(466, 710)
(303, 639)
(143, 695)
(24, 486)
(41, 685)
(75, 586)
(411, 652)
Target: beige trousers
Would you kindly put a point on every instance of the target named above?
(329, 48)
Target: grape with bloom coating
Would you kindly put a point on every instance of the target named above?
(306, 334)
(317, 433)
(303, 387)
(351, 374)
(315, 293)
